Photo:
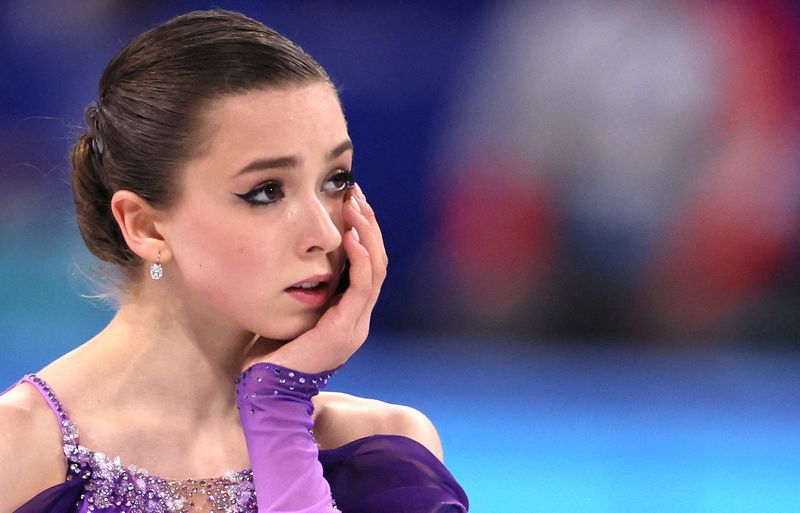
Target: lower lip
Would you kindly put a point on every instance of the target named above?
(316, 297)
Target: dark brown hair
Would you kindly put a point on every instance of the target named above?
(144, 124)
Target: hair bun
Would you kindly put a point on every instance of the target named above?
(92, 198)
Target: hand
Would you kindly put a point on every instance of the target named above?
(343, 328)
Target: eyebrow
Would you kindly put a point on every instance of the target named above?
(290, 161)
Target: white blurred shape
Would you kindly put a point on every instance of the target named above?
(610, 100)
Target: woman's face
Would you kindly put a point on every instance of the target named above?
(261, 209)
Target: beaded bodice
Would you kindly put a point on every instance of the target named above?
(111, 486)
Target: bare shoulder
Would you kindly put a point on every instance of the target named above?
(30, 438)
(341, 418)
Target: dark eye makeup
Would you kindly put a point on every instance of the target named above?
(341, 181)
(271, 192)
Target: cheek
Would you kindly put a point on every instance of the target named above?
(208, 265)
(216, 256)
(335, 211)
(235, 276)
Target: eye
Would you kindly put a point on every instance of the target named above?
(263, 194)
(339, 182)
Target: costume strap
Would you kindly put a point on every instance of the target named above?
(68, 430)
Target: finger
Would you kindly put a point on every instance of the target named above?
(371, 242)
(369, 213)
(351, 304)
(370, 239)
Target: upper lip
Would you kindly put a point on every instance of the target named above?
(317, 278)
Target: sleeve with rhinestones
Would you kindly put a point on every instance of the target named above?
(275, 407)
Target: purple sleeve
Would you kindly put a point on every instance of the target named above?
(275, 408)
(391, 473)
(60, 498)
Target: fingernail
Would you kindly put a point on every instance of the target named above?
(355, 234)
(355, 204)
(360, 192)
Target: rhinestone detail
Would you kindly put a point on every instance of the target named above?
(109, 484)
(268, 376)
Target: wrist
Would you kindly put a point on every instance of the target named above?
(266, 379)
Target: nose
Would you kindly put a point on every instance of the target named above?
(320, 226)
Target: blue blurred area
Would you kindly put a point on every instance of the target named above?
(509, 219)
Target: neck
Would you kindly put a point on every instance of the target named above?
(181, 361)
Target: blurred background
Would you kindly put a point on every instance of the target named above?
(592, 212)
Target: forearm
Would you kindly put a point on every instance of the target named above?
(275, 408)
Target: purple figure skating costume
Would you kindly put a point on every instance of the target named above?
(376, 474)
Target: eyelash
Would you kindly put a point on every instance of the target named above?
(345, 175)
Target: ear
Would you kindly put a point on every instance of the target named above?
(137, 222)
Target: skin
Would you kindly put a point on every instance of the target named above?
(162, 372)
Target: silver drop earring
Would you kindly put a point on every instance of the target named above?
(156, 271)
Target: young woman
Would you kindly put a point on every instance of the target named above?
(215, 175)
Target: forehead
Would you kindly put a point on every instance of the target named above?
(300, 120)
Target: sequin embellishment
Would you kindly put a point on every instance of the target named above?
(111, 485)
